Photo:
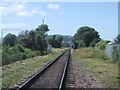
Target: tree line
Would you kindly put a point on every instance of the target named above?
(34, 39)
(32, 43)
(28, 44)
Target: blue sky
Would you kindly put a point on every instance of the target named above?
(62, 17)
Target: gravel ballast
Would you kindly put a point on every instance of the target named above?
(83, 78)
(51, 77)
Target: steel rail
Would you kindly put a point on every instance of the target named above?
(21, 87)
(61, 85)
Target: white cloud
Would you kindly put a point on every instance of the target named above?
(6, 8)
(23, 13)
(34, 11)
(20, 9)
(53, 6)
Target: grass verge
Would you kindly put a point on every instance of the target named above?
(97, 63)
(13, 73)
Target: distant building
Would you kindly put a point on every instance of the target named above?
(49, 48)
(109, 49)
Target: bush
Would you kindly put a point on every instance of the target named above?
(22, 56)
(29, 53)
(101, 44)
(16, 53)
(20, 48)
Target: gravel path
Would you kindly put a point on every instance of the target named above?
(51, 77)
(83, 78)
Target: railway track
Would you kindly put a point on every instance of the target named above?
(53, 76)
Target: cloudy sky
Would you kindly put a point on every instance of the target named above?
(62, 17)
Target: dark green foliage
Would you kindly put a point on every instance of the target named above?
(40, 38)
(76, 45)
(34, 39)
(9, 55)
(19, 48)
(31, 37)
(23, 39)
(9, 40)
(27, 39)
(22, 56)
(29, 53)
(43, 28)
(16, 53)
(39, 43)
(56, 41)
(65, 42)
(117, 40)
(86, 36)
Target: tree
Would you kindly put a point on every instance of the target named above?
(9, 40)
(56, 41)
(27, 39)
(117, 40)
(23, 39)
(40, 37)
(86, 36)
(31, 38)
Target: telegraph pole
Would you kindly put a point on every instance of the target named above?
(2, 35)
(42, 21)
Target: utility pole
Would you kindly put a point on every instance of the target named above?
(42, 21)
(2, 33)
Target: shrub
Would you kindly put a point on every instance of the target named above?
(20, 48)
(9, 55)
(101, 44)
(22, 56)
(29, 53)
(16, 53)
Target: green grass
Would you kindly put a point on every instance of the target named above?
(98, 65)
(14, 72)
(91, 53)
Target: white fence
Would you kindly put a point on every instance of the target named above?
(109, 50)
